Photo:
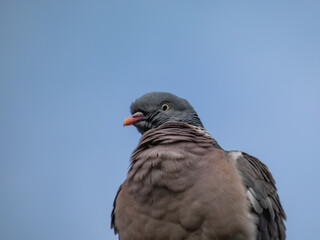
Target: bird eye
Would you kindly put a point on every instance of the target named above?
(165, 107)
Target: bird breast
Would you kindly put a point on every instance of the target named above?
(183, 179)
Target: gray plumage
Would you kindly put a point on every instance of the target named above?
(182, 185)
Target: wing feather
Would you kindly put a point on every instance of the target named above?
(263, 197)
(113, 213)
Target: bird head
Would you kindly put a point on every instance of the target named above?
(155, 108)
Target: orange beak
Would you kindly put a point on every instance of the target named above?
(137, 117)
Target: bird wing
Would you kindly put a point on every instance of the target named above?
(113, 213)
(262, 195)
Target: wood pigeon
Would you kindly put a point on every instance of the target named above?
(182, 185)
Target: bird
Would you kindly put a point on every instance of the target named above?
(182, 185)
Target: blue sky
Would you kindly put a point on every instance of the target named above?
(70, 69)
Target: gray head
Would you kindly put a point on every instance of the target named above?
(155, 108)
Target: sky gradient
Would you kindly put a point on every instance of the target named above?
(69, 71)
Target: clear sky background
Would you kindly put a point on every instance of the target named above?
(69, 71)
